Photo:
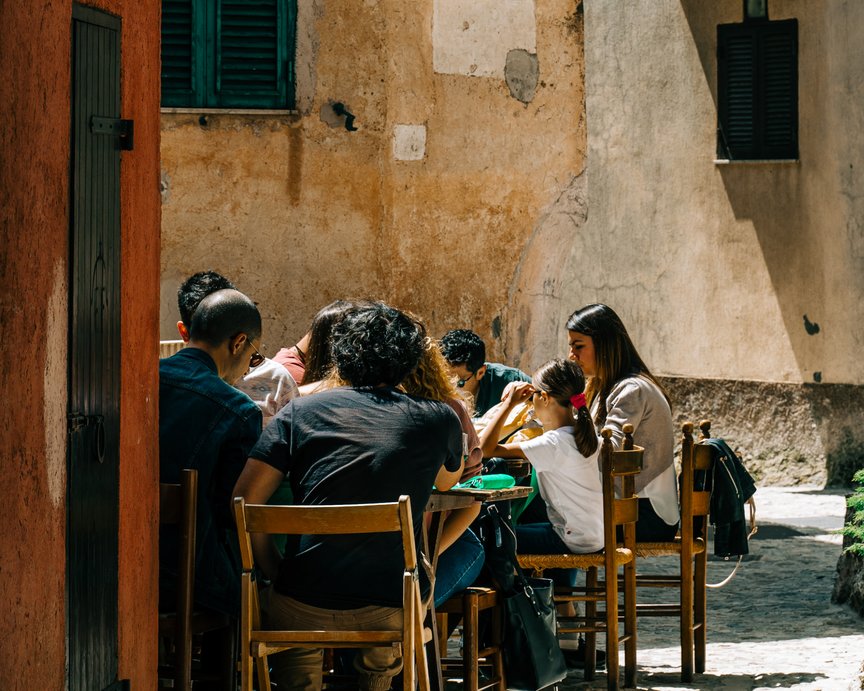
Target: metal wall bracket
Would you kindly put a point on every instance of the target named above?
(123, 129)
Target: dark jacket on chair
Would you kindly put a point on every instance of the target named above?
(731, 487)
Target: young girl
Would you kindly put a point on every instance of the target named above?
(564, 458)
(621, 389)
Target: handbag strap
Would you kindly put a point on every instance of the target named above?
(753, 530)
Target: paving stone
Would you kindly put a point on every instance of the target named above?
(773, 626)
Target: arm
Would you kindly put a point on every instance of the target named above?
(256, 485)
(515, 393)
(626, 404)
(457, 523)
(445, 479)
(454, 460)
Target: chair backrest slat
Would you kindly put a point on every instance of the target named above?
(341, 519)
(702, 457)
(325, 519)
(701, 503)
(624, 464)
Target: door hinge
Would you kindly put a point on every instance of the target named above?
(124, 130)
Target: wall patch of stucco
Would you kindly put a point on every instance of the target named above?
(472, 37)
(54, 402)
(534, 317)
(522, 72)
(409, 142)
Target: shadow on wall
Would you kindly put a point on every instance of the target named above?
(799, 216)
(781, 200)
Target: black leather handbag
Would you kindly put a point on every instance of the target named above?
(532, 657)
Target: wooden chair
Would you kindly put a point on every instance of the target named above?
(468, 606)
(624, 512)
(689, 547)
(257, 643)
(168, 348)
(177, 506)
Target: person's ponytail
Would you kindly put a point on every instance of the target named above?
(583, 432)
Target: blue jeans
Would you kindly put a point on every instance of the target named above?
(541, 538)
(458, 566)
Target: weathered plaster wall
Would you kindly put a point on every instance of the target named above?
(714, 267)
(718, 271)
(140, 220)
(286, 206)
(34, 152)
(459, 219)
(34, 227)
(428, 204)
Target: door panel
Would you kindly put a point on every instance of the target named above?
(94, 368)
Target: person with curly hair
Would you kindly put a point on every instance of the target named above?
(365, 442)
(461, 558)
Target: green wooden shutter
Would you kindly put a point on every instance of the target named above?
(779, 81)
(182, 53)
(253, 48)
(736, 90)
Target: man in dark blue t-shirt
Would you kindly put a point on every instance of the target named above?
(363, 443)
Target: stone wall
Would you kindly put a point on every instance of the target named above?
(786, 434)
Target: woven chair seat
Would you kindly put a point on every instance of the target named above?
(541, 562)
(663, 549)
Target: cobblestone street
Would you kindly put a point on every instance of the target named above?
(774, 625)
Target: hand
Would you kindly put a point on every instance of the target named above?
(517, 392)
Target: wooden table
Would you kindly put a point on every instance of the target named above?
(440, 502)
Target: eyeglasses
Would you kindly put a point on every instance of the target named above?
(462, 382)
(256, 358)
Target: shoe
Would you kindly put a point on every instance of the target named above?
(575, 659)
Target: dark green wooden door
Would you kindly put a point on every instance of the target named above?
(94, 342)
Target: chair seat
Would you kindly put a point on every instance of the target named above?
(467, 605)
(486, 597)
(671, 548)
(541, 562)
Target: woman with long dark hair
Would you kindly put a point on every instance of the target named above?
(620, 390)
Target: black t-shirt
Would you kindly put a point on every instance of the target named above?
(356, 446)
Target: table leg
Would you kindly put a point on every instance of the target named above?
(431, 540)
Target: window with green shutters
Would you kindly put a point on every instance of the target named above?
(224, 54)
(757, 90)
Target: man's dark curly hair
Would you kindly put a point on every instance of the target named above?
(197, 287)
(464, 347)
(376, 344)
